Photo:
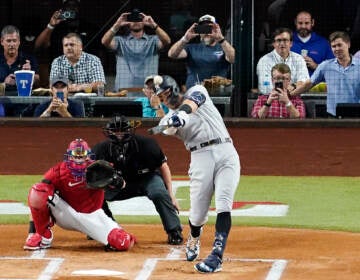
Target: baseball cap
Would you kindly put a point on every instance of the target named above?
(207, 19)
(58, 79)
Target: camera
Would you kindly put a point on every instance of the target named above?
(203, 29)
(279, 84)
(67, 14)
(135, 16)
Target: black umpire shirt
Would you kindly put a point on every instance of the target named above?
(140, 156)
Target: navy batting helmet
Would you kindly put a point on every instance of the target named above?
(166, 82)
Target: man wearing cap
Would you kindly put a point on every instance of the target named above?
(151, 105)
(60, 105)
(137, 53)
(212, 57)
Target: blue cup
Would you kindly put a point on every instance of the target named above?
(24, 81)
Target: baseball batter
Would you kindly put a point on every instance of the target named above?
(63, 197)
(214, 168)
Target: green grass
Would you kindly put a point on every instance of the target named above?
(314, 202)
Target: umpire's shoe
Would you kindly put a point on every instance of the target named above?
(210, 265)
(175, 237)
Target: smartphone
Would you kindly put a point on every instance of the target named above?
(60, 95)
(203, 29)
(279, 84)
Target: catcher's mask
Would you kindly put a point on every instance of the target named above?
(167, 89)
(119, 129)
(78, 155)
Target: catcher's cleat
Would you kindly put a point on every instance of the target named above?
(211, 264)
(192, 248)
(175, 237)
(35, 241)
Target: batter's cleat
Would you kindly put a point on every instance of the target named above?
(35, 241)
(211, 264)
(175, 237)
(192, 249)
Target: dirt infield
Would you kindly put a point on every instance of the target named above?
(252, 253)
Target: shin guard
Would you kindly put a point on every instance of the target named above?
(37, 201)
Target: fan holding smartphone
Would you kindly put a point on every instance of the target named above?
(279, 103)
(211, 57)
(59, 105)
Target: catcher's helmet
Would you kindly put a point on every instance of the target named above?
(78, 155)
(119, 129)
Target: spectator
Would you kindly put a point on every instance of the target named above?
(278, 104)
(62, 197)
(60, 105)
(145, 170)
(341, 74)
(84, 71)
(13, 59)
(136, 52)
(282, 42)
(313, 47)
(214, 169)
(151, 105)
(64, 21)
(48, 44)
(357, 54)
(211, 57)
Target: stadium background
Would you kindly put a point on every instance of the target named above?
(247, 24)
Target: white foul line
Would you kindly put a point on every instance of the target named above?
(277, 268)
(48, 272)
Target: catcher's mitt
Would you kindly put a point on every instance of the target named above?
(101, 174)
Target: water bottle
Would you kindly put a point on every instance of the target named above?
(267, 84)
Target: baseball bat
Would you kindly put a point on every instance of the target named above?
(158, 129)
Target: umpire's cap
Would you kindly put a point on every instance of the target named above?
(165, 82)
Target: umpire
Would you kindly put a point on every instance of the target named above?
(145, 170)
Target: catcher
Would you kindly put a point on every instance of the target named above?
(64, 197)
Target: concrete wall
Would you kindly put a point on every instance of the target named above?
(326, 147)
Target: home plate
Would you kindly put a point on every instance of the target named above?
(97, 272)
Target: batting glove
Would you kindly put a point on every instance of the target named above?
(178, 119)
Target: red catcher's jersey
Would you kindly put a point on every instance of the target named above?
(73, 190)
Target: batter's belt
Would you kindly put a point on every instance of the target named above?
(209, 143)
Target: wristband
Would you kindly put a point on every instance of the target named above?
(288, 105)
(221, 41)
(50, 26)
(156, 27)
(184, 40)
(113, 30)
(267, 104)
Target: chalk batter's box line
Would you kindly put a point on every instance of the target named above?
(275, 273)
(52, 267)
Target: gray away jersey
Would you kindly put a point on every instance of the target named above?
(205, 124)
